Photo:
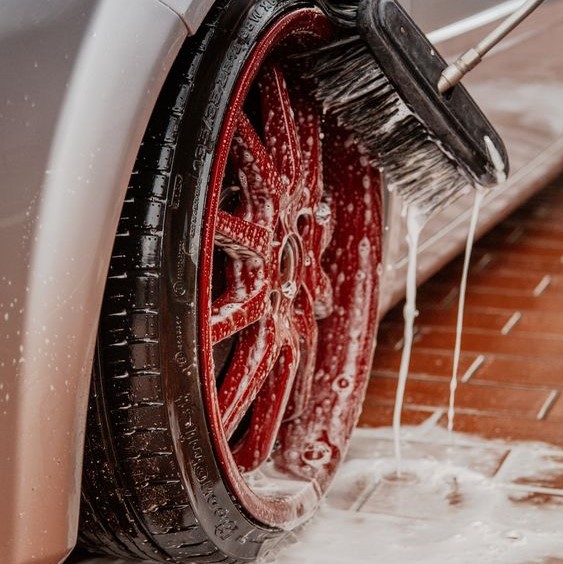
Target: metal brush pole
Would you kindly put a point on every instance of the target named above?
(453, 73)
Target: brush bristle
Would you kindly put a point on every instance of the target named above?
(352, 87)
(341, 12)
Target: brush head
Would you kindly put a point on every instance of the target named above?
(380, 80)
(413, 67)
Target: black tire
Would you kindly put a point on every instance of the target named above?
(141, 497)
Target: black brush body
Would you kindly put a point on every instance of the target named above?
(380, 80)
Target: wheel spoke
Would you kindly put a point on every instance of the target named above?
(304, 325)
(318, 233)
(303, 319)
(308, 131)
(238, 308)
(254, 358)
(324, 298)
(268, 412)
(240, 238)
(280, 130)
(260, 181)
(316, 238)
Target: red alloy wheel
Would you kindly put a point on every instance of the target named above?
(291, 246)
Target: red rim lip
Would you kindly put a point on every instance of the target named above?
(276, 511)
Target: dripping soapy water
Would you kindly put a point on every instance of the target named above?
(415, 222)
(417, 214)
(478, 200)
(480, 193)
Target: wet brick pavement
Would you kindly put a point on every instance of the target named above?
(511, 367)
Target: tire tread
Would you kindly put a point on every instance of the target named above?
(129, 432)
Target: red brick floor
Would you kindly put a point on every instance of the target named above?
(512, 349)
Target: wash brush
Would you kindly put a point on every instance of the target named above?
(380, 80)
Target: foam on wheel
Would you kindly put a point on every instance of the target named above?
(240, 310)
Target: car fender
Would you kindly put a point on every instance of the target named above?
(64, 177)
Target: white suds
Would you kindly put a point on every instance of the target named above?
(465, 505)
(496, 158)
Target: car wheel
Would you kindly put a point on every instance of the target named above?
(240, 312)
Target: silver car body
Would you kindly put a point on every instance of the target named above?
(79, 79)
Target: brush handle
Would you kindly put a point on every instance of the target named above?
(453, 73)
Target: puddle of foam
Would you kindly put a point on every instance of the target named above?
(415, 223)
(479, 195)
(459, 509)
(537, 468)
